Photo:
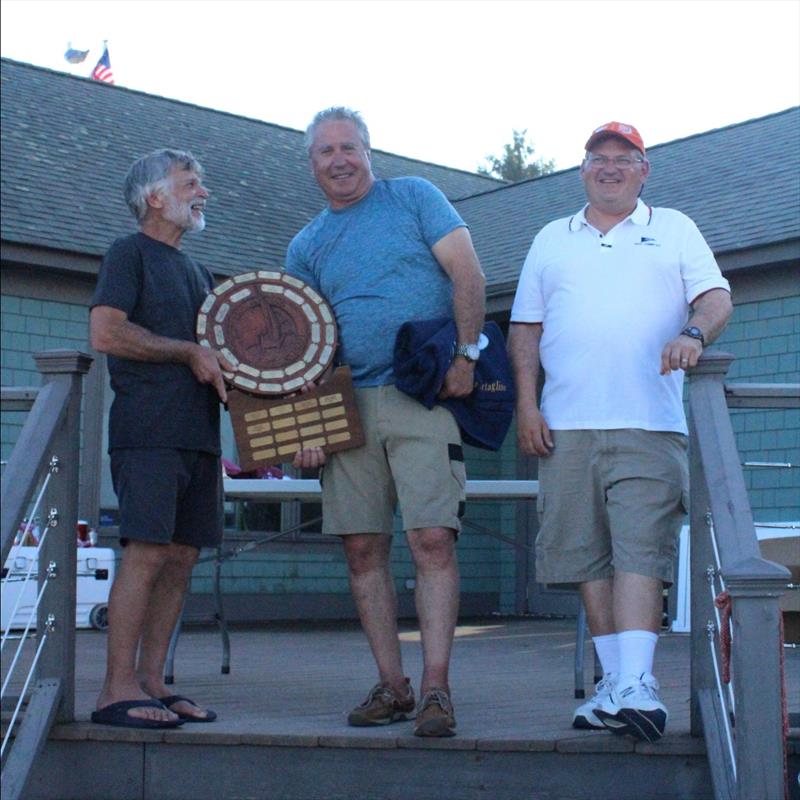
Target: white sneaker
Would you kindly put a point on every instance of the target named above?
(584, 716)
(640, 711)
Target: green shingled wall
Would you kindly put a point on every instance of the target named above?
(277, 573)
(30, 326)
(765, 338)
(489, 563)
(762, 335)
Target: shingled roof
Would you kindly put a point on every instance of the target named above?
(739, 184)
(67, 143)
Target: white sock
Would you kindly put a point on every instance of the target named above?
(636, 651)
(607, 651)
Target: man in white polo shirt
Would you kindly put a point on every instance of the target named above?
(615, 303)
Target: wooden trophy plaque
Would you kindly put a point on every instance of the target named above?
(280, 335)
(272, 431)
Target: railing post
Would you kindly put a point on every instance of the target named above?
(712, 368)
(58, 602)
(755, 587)
(701, 558)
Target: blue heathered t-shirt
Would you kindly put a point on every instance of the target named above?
(372, 262)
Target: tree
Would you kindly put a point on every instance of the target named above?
(516, 163)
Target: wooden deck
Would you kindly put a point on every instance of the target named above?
(281, 731)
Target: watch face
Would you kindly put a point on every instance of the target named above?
(469, 351)
(694, 333)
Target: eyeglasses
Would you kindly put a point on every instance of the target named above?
(620, 162)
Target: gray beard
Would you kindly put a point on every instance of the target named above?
(186, 221)
(197, 226)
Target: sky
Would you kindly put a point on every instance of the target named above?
(444, 81)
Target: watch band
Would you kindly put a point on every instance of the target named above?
(469, 351)
(694, 333)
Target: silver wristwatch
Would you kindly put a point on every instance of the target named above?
(470, 351)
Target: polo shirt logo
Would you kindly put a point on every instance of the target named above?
(649, 241)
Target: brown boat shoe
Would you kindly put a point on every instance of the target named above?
(435, 715)
(383, 706)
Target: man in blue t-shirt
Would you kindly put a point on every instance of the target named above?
(385, 252)
(163, 434)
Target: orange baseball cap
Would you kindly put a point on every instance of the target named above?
(620, 129)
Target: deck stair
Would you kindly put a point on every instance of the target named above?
(282, 735)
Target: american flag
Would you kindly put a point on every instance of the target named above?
(102, 72)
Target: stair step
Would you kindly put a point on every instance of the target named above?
(95, 763)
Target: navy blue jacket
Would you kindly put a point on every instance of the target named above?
(423, 353)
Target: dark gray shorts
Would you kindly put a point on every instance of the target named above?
(168, 496)
(611, 500)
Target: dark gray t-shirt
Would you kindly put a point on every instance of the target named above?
(157, 404)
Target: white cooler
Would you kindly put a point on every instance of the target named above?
(95, 575)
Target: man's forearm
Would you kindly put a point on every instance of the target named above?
(533, 434)
(523, 349)
(458, 259)
(469, 305)
(125, 339)
(711, 312)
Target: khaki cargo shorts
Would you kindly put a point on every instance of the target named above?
(412, 458)
(611, 500)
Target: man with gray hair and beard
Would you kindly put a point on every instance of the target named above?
(382, 253)
(163, 434)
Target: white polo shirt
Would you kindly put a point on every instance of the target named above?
(608, 303)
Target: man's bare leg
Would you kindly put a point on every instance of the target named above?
(375, 598)
(127, 616)
(638, 602)
(629, 606)
(166, 603)
(622, 605)
(598, 600)
(436, 596)
(626, 602)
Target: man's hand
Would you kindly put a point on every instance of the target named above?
(207, 366)
(681, 353)
(311, 458)
(311, 385)
(459, 380)
(533, 433)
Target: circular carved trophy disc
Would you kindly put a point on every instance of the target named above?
(276, 329)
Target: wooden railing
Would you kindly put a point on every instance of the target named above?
(744, 735)
(48, 443)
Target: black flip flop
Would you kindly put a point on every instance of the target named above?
(117, 714)
(171, 699)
